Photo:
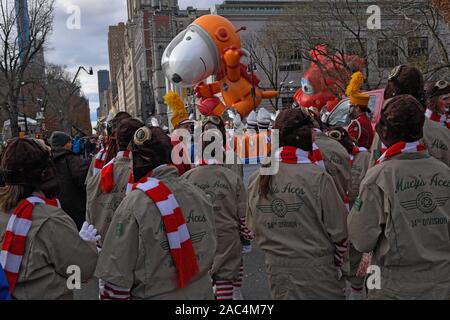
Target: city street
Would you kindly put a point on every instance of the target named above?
(255, 286)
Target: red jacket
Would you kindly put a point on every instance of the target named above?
(361, 130)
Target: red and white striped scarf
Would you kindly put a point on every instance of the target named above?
(107, 173)
(401, 147)
(441, 118)
(355, 151)
(181, 248)
(383, 148)
(130, 183)
(15, 238)
(293, 155)
(99, 161)
(143, 179)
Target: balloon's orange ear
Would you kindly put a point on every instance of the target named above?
(222, 34)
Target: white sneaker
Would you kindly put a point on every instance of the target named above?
(237, 294)
(247, 249)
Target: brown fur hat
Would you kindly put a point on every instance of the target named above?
(151, 148)
(125, 131)
(25, 162)
(405, 80)
(403, 116)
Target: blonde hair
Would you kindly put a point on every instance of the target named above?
(10, 196)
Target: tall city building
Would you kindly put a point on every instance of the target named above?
(103, 93)
(37, 65)
(116, 50)
(23, 26)
(129, 74)
(103, 80)
(153, 24)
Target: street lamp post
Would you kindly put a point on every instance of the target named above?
(23, 107)
(40, 116)
(89, 72)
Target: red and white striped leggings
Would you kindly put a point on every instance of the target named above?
(224, 288)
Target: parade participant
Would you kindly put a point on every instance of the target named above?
(254, 145)
(161, 243)
(438, 102)
(360, 128)
(71, 173)
(109, 150)
(214, 122)
(409, 80)
(298, 217)
(359, 160)
(39, 240)
(264, 122)
(252, 121)
(263, 119)
(229, 199)
(402, 212)
(335, 156)
(359, 163)
(436, 138)
(184, 154)
(403, 79)
(106, 190)
(180, 121)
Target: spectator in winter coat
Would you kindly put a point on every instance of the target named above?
(71, 173)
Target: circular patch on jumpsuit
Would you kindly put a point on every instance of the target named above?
(425, 202)
(279, 208)
(211, 195)
(141, 135)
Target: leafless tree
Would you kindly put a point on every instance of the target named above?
(339, 28)
(17, 59)
(426, 17)
(273, 55)
(341, 25)
(62, 99)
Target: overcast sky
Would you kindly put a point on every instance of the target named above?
(88, 45)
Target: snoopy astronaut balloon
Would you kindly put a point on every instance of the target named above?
(211, 46)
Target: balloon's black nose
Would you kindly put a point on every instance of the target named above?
(176, 78)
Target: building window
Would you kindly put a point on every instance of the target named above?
(290, 60)
(387, 54)
(356, 47)
(287, 102)
(160, 52)
(417, 49)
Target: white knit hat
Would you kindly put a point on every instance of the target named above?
(264, 118)
(252, 121)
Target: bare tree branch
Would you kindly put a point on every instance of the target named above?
(17, 63)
